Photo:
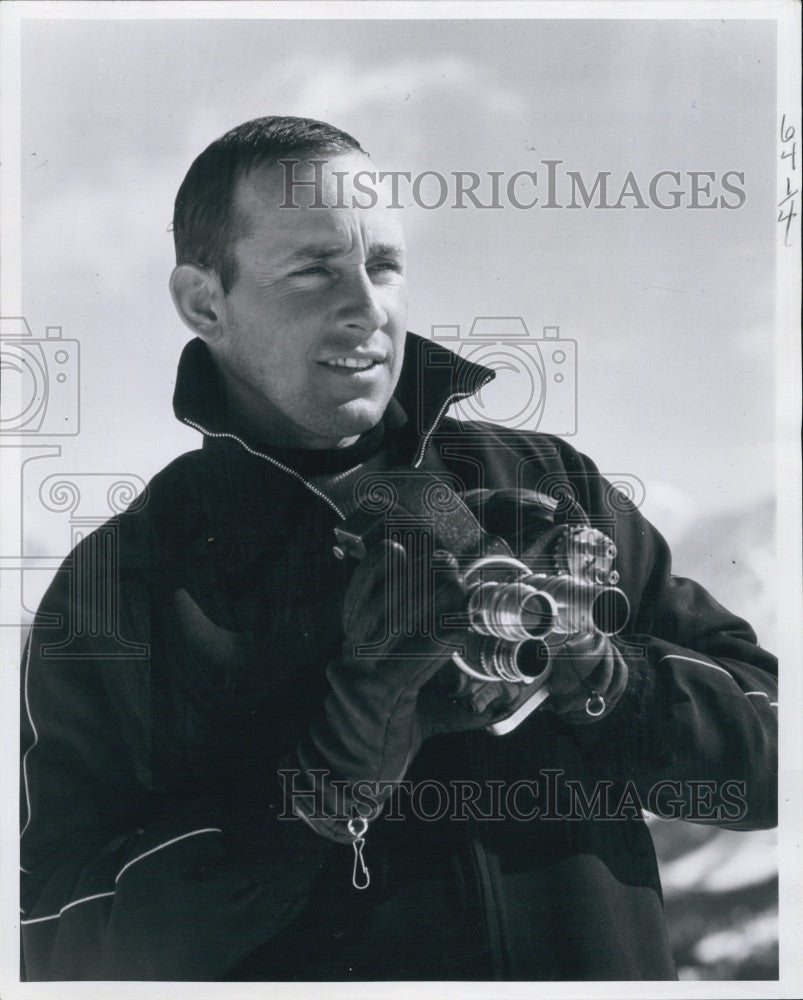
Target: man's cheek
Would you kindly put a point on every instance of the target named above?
(401, 305)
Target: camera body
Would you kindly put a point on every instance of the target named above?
(41, 382)
(523, 612)
(536, 381)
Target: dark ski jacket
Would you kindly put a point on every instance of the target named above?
(180, 652)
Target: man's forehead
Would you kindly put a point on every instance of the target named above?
(302, 175)
(295, 221)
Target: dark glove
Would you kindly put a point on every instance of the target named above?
(403, 618)
(589, 676)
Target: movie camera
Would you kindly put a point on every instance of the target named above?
(536, 580)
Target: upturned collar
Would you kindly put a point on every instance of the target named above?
(432, 378)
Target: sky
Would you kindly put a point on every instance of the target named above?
(671, 312)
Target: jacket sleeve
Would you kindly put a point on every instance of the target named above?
(696, 730)
(118, 883)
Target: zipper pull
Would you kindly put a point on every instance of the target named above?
(358, 827)
(595, 705)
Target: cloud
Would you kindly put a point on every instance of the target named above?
(344, 88)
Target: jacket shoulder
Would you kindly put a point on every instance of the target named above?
(554, 453)
(505, 458)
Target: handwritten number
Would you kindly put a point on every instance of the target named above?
(787, 153)
(787, 218)
(789, 193)
(787, 135)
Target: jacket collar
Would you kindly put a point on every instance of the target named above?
(432, 378)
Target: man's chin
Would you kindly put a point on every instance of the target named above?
(353, 420)
(352, 429)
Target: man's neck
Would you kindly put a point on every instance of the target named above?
(264, 427)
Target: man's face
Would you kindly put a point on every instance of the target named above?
(312, 331)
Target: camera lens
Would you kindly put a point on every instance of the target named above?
(532, 658)
(609, 611)
(537, 614)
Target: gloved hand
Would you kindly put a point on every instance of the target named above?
(588, 672)
(589, 676)
(402, 620)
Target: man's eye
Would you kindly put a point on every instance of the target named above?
(312, 271)
(385, 265)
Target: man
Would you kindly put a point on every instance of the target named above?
(226, 800)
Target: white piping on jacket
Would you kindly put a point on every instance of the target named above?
(126, 866)
(715, 666)
(762, 694)
(35, 741)
(690, 659)
(167, 843)
(75, 902)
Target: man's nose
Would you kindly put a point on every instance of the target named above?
(361, 310)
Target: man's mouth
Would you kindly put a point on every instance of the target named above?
(355, 364)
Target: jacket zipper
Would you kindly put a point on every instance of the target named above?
(314, 489)
(455, 396)
(489, 908)
(268, 458)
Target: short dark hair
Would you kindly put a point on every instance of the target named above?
(205, 223)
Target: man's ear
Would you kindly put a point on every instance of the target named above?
(198, 297)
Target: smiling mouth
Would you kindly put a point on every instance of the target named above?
(351, 364)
